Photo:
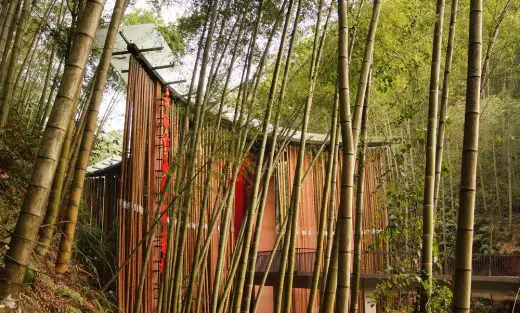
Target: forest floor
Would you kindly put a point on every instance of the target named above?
(75, 292)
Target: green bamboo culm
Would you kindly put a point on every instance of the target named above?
(360, 191)
(443, 110)
(468, 182)
(429, 171)
(69, 228)
(344, 223)
(7, 86)
(35, 199)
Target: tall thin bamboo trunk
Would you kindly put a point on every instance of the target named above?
(297, 181)
(465, 221)
(30, 54)
(356, 271)
(495, 172)
(7, 27)
(429, 172)
(191, 155)
(347, 168)
(353, 30)
(171, 231)
(365, 69)
(48, 75)
(200, 231)
(6, 4)
(69, 227)
(8, 88)
(444, 232)
(33, 208)
(36, 37)
(48, 226)
(324, 209)
(4, 64)
(331, 216)
(48, 103)
(509, 178)
(331, 282)
(250, 217)
(491, 45)
(443, 113)
(253, 215)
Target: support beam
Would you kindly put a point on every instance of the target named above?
(156, 68)
(140, 50)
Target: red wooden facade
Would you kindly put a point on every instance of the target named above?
(130, 191)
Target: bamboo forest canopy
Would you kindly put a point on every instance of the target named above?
(235, 155)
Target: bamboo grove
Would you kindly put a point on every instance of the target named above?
(412, 100)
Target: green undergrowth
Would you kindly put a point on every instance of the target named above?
(44, 291)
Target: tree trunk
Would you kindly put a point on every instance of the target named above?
(332, 218)
(48, 75)
(444, 100)
(33, 208)
(323, 210)
(429, 173)
(490, 46)
(4, 64)
(49, 222)
(8, 87)
(48, 102)
(509, 178)
(498, 201)
(69, 227)
(363, 77)
(8, 27)
(353, 30)
(344, 223)
(465, 220)
(6, 4)
(354, 308)
(191, 154)
(200, 231)
(245, 258)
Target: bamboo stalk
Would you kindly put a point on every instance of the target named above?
(360, 194)
(198, 243)
(21, 244)
(443, 113)
(365, 68)
(49, 222)
(8, 87)
(429, 174)
(344, 226)
(8, 24)
(465, 220)
(253, 215)
(324, 208)
(65, 248)
(191, 153)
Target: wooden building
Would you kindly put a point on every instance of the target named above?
(123, 196)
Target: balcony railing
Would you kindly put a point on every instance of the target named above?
(377, 263)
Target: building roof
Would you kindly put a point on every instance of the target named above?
(104, 165)
(158, 59)
(154, 49)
